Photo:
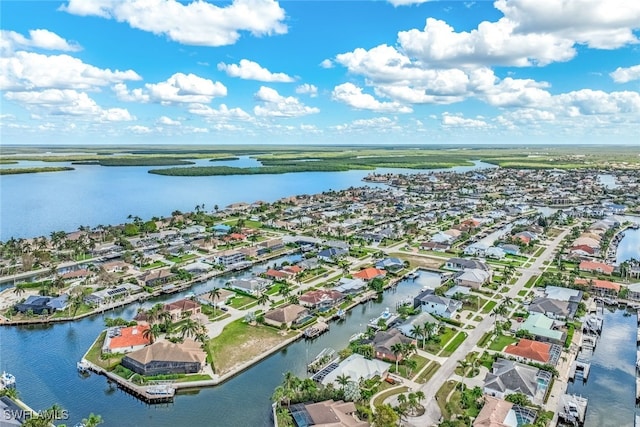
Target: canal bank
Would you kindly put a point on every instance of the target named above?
(58, 381)
(611, 381)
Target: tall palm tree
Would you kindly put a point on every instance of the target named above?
(418, 332)
(263, 298)
(214, 294)
(398, 350)
(463, 364)
(152, 333)
(285, 290)
(343, 380)
(189, 328)
(19, 289)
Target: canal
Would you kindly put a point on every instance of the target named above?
(43, 359)
(611, 385)
(629, 246)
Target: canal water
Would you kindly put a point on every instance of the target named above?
(629, 246)
(43, 359)
(611, 384)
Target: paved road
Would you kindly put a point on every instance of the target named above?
(432, 414)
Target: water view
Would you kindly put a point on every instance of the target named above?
(629, 246)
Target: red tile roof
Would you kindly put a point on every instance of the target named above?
(604, 284)
(275, 273)
(529, 349)
(370, 273)
(130, 337)
(596, 266)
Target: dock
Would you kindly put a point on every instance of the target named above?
(387, 317)
(572, 409)
(324, 358)
(316, 330)
(580, 367)
(158, 392)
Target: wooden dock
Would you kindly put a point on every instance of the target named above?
(572, 409)
(151, 394)
(316, 330)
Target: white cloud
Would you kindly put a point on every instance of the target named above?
(68, 102)
(30, 70)
(326, 63)
(307, 89)
(516, 93)
(350, 94)
(40, 38)
(597, 102)
(139, 129)
(376, 124)
(179, 88)
(624, 75)
(455, 120)
(164, 120)
(197, 23)
(406, 2)
(223, 113)
(249, 70)
(275, 105)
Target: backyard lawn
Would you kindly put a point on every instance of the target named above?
(500, 342)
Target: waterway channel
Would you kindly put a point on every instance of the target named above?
(611, 384)
(43, 360)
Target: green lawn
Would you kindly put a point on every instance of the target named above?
(155, 264)
(454, 344)
(489, 306)
(435, 347)
(247, 223)
(182, 258)
(426, 375)
(402, 369)
(95, 352)
(500, 342)
(379, 400)
(531, 281)
(485, 339)
(441, 398)
(523, 292)
(240, 301)
(539, 252)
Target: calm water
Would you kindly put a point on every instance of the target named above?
(629, 246)
(38, 204)
(611, 385)
(43, 360)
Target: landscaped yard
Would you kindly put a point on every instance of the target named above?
(426, 375)
(531, 281)
(402, 369)
(454, 344)
(240, 301)
(489, 306)
(445, 335)
(379, 400)
(182, 258)
(155, 264)
(501, 341)
(95, 352)
(240, 342)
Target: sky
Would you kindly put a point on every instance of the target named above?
(319, 72)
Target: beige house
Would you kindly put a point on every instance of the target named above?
(288, 315)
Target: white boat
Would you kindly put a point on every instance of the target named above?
(7, 380)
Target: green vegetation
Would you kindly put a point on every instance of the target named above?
(489, 306)
(230, 170)
(426, 375)
(379, 400)
(16, 171)
(485, 339)
(531, 282)
(454, 344)
(94, 355)
(134, 161)
(501, 341)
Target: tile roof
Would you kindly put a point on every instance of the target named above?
(529, 349)
(369, 273)
(131, 336)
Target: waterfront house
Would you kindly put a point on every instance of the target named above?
(420, 319)
(495, 253)
(509, 377)
(125, 339)
(230, 257)
(321, 299)
(460, 264)
(563, 294)
(350, 286)
(357, 367)
(542, 328)
(331, 254)
(269, 246)
(14, 415)
(390, 264)
(369, 274)
(182, 308)
(221, 229)
(383, 342)
(157, 277)
(437, 305)
(287, 316)
(603, 288)
(496, 413)
(527, 350)
(276, 274)
(38, 304)
(328, 413)
(110, 294)
(634, 292)
(552, 308)
(473, 278)
(252, 285)
(596, 267)
(163, 357)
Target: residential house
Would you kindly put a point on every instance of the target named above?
(419, 320)
(327, 413)
(459, 264)
(511, 249)
(331, 254)
(390, 264)
(437, 305)
(596, 267)
(476, 249)
(357, 367)
(252, 285)
(38, 304)
(509, 377)
(527, 350)
(269, 246)
(434, 246)
(126, 339)
(383, 342)
(164, 357)
(634, 292)
(321, 299)
(350, 286)
(542, 328)
(288, 316)
(563, 294)
(370, 274)
(182, 308)
(109, 294)
(473, 278)
(603, 288)
(496, 413)
(157, 277)
(495, 253)
(230, 257)
(553, 308)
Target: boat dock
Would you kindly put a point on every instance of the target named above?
(324, 358)
(158, 392)
(572, 409)
(316, 330)
(387, 317)
(581, 366)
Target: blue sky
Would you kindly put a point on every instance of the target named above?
(309, 72)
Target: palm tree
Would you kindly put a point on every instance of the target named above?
(93, 420)
(411, 364)
(398, 350)
(343, 380)
(402, 399)
(263, 298)
(189, 328)
(463, 364)
(285, 290)
(429, 329)
(152, 333)
(19, 289)
(214, 294)
(418, 332)
(294, 299)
